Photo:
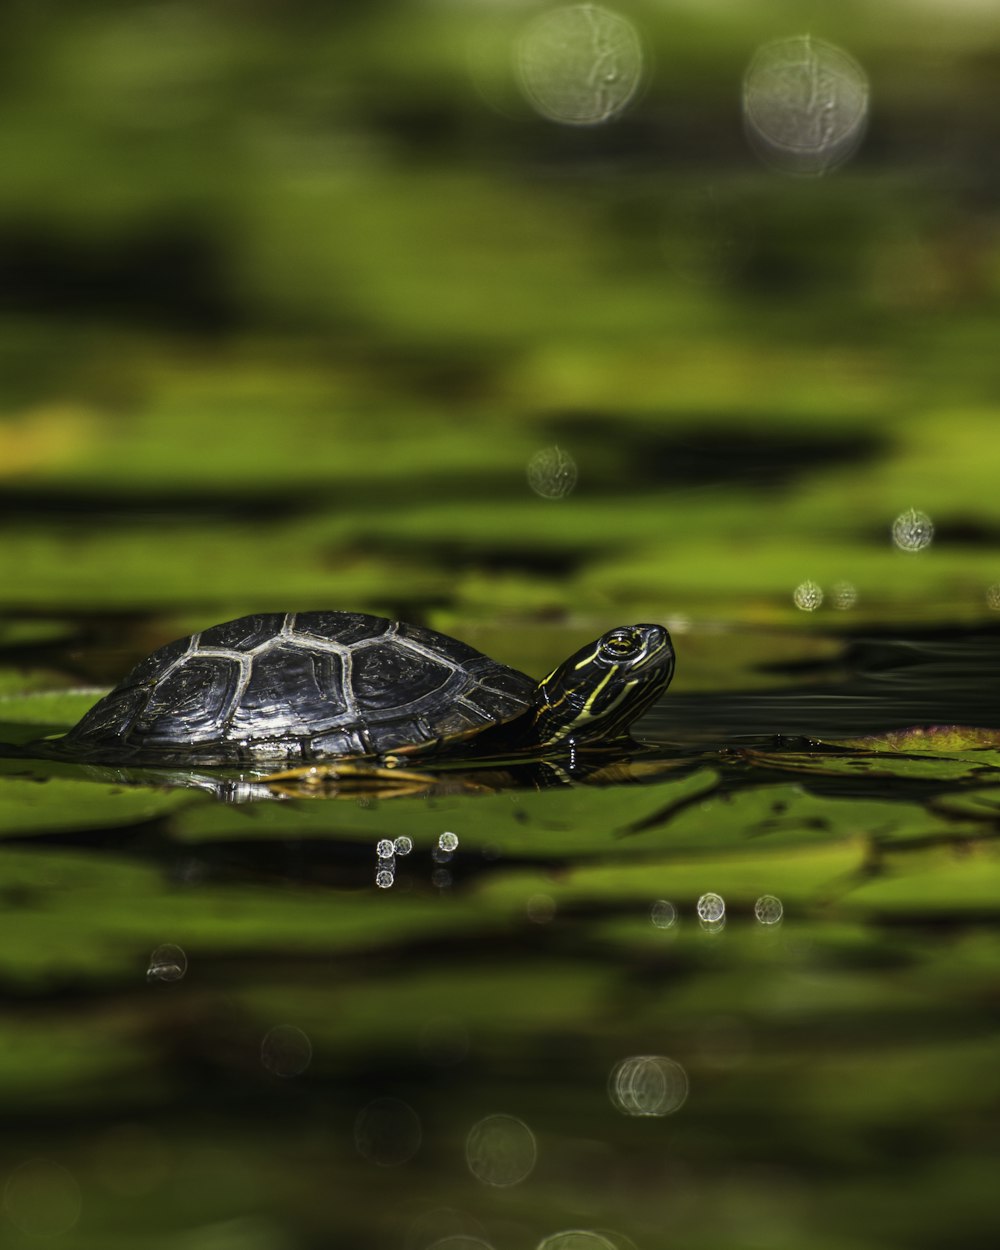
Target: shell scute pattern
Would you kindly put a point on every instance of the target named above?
(302, 686)
(290, 690)
(346, 628)
(387, 675)
(197, 693)
(153, 666)
(113, 716)
(439, 644)
(243, 634)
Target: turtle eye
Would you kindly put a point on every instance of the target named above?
(620, 644)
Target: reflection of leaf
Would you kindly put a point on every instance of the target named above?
(577, 821)
(802, 877)
(932, 884)
(930, 767)
(939, 739)
(61, 805)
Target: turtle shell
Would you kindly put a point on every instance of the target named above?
(300, 686)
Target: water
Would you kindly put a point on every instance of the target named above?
(744, 997)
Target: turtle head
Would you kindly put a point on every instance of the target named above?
(598, 692)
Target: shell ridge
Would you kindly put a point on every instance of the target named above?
(347, 684)
(308, 642)
(246, 671)
(428, 653)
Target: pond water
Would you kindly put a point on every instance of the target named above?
(747, 999)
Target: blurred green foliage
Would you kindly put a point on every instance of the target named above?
(308, 285)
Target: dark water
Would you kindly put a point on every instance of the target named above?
(750, 1001)
(873, 685)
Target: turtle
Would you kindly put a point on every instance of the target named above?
(280, 689)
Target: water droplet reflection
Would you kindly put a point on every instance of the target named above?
(500, 1151)
(387, 1132)
(552, 473)
(805, 105)
(42, 1199)
(579, 65)
(768, 909)
(912, 530)
(167, 963)
(384, 879)
(711, 909)
(648, 1085)
(663, 914)
(807, 596)
(286, 1051)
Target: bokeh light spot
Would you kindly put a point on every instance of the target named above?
(648, 1085)
(580, 64)
(807, 596)
(912, 530)
(552, 473)
(286, 1051)
(768, 909)
(500, 1151)
(805, 105)
(711, 909)
(167, 963)
(663, 914)
(845, 596)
